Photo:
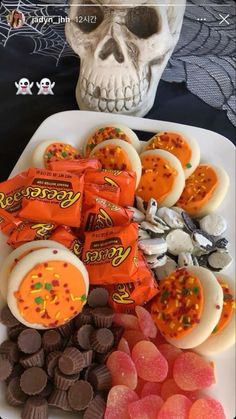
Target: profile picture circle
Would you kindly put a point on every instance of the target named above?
(16, 19)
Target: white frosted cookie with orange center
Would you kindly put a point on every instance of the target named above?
(162, 177)
(49, 151)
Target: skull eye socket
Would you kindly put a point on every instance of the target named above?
(142, 21)
(89, 18)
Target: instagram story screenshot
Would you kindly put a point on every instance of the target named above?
(117, 209)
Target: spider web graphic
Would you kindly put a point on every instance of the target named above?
(42, 26)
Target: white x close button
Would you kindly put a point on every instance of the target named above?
(223, 19)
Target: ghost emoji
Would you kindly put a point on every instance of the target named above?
(45, 87)
(24, 87)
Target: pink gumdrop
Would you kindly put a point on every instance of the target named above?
(133, 337)
(151, 388)
(146, 322)
(207, 409)
(123, 370)
(140, 385)
(118, 400)
(177, 406)
(192, 372)
(128, 321)
(169, 388)
(170, 353)
(150, 363)
(146, 408)
(123, 346)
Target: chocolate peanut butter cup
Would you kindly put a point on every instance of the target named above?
(103, 316)
(85, 317)
(71, 361)
(16, 372)
(95, 409)
(98, 297)
(29, 341)
(7, 318)
(66, 329)
(100, 378)
(10, 350)
(82, 337)
(33, 381)
(47, 390)
(33, 360)
(52, 362)
(80, 395)
(86, 371)
(88, 357)
(14, 394)
(102, 340)
(36, 407)
(52, 341)
(5, 368)
(13, 332)
(62, 381)
(59, 398)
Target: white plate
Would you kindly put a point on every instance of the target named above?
(73, 126)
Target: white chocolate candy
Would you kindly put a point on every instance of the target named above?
(178, 241)
(213, 224)
(153, 246)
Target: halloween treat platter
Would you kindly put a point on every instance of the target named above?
(170, 257)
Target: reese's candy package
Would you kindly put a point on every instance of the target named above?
(65, 236)
(98, 213)
(123, 298)
(126, 181)
(53, 196)
(77, 167)
(26, 232)
(111, 255)
(106, 191)
(11, 201)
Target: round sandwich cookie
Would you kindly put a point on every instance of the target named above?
(223, 335)
(47, 288)
(118, 155)
(110, 132)
(49, 151)
(188, 306)
(204, 190)
(162, 177)
(182, 146)
(16, 255)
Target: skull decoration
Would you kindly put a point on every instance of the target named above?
(123, 51)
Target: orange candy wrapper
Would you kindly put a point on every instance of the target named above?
(53, 196)
(126, 181)
(106, 191)
(111, 255)
(77, 167)
(65, 236)
(123, 298)
(98, 213)
(11, 201)
(27, 232)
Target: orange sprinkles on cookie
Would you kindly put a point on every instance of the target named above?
(178, 307)
(227, 310)
(198, 189)
(113, 157)
(157, 179)
(174, 143)
(102, 134)
(59, 151)
(51, 293)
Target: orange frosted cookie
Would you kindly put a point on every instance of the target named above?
(118, 155)
(47, 288)
(48, 151)
(185, 148)
(204, 190)
(110, 132)
(162, 177)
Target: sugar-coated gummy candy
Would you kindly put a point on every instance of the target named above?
(177, 406)
(118, 400)
(133, 337)
(128, 321)
(150, 363)
(192, 372)
(146, 322)
(123, 346)
(140, 386)
(169, 388)
(151, 388)
(170, 353)
(145, 408)
(123, 370)
(207, 408)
